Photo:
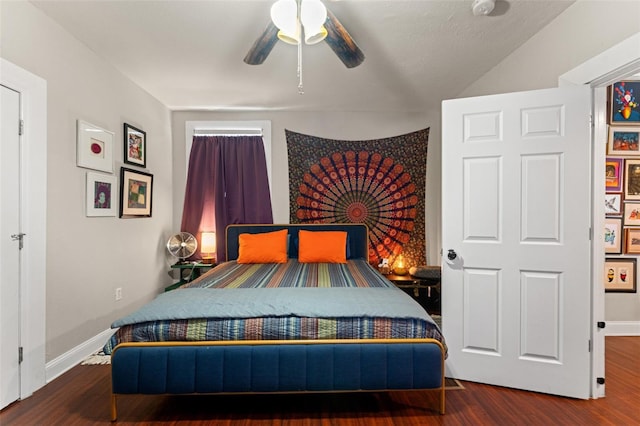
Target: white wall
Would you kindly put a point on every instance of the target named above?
(87, 258)
(584, 30)
(331, 125)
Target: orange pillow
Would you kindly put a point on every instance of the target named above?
(266, 247)
(322, 246)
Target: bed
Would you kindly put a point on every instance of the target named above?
(295, 308)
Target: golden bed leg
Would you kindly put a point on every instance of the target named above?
(114, 409)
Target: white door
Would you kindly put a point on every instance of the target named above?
(516, 301)
(9, 248)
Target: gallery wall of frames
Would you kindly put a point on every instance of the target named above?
(95, 150)
(622, 199)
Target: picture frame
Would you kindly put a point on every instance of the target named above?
(614, 168)
(624, 140)
(631, 179)
(135, 146)
(136, 193)
(613, 235)
(94, 147)
(613, 204)
(624, 98)
(631, 214)
(101, 195)
(632, 241)
(620, 275)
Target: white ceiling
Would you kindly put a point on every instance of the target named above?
(189, 54)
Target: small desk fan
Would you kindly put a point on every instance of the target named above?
(182, 245)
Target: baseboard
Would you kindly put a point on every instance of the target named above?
(69, 359)
(623, 328)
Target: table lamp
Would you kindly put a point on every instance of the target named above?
(399, 266)
(208, 247)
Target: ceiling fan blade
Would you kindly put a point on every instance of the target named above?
(341, 42)
(262, 46)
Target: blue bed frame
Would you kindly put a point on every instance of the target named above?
(225, 367)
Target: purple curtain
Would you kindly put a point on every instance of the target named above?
(227, 183)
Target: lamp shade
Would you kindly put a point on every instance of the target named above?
(284, 14)
(313, 15)
(208, 246)
(400, 266)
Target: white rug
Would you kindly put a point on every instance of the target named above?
(99, 358)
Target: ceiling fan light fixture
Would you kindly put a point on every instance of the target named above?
(320, 35)
(313, 15)
(284, 14)
(291, 37)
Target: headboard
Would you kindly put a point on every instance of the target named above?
(357, 236)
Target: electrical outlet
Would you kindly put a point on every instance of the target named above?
(118, 293)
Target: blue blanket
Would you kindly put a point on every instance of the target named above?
(277, 302)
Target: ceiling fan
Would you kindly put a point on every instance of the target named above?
(337, 38)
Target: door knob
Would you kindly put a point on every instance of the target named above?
(452, 254)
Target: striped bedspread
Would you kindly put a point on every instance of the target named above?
(403, 318)
(354, 273)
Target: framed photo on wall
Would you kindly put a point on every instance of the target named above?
(136, 193)
(135, 146)
(94, 147)
(613, 235)
(624, 103)
(613, 203)
(624, 140)
(632, 179)
(613, 174)
(632, 241)
(631, 214)
(101, 194)
(620, 275)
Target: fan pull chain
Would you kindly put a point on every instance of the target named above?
(299, 23)
(300, 86)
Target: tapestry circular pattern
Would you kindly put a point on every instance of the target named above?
(373, 185)
(365, 188)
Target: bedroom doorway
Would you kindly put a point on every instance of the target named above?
(614, 64)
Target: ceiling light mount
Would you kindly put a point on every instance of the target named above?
(482, 7)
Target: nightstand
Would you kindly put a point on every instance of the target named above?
(425, 291)
(194, 270)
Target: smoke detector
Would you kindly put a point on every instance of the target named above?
(482, 7)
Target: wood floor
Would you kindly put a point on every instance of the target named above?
(81, 397)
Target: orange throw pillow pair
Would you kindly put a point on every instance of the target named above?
(314, 247)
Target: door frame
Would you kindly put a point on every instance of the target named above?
(598, 72)
(33, 218)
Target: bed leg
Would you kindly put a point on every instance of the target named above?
(114, 410)
(442, 399)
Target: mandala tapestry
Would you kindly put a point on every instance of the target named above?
(378, 182)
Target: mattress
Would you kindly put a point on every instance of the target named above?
(289, 301)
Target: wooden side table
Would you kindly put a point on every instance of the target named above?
(196, 269)
(425, 290)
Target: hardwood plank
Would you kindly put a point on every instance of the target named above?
(81, 397)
